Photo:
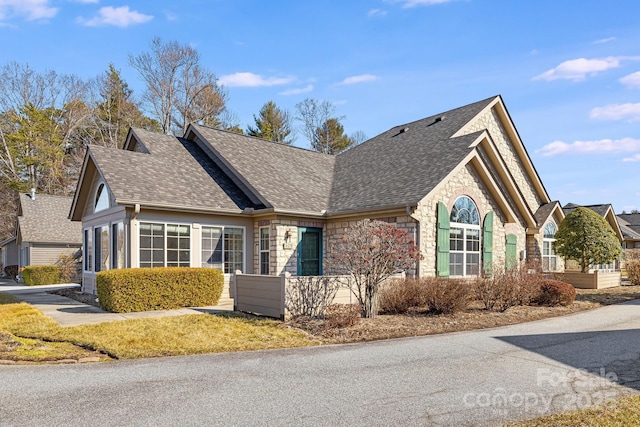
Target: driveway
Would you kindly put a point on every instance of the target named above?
(484, 377)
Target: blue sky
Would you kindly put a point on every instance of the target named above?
(569, 72)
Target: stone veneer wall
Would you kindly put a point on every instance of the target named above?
(465, 182)
(491, 122)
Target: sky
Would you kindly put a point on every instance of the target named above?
(568, 71)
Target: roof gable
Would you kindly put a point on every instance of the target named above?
(604, 210)
(45, 220)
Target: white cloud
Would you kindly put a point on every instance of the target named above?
(377, 12)
(605, 40)
(634, 158)
(591, 147)
(362, 78)
(578, 69)
(30, 10)
(253, 80)
(632, 80)
(413, 3)
(116, 16)
(626, 111)
(297, 91)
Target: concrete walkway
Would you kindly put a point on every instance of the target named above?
(69, 312)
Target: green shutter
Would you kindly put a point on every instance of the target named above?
(511, 259)
(442, 260)
(487, 245)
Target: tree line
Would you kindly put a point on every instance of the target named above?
(47, 119)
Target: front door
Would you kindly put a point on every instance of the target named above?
(310, 252)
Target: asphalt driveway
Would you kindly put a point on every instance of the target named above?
(484, 377)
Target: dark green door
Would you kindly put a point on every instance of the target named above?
(310, 252)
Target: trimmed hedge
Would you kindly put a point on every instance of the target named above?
(35, 275)
(555, 292)
(146, 289)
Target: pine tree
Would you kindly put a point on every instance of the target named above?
(273, 124)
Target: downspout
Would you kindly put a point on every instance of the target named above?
(416, 233)
(130, 241)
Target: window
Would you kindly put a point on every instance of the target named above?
(101, 246)
(549, 259)
(88, 249)
(102, 199)
(151, 245)
(117, 243)
(223, 248)
(464, 238)
(178, 245)
(264, 250)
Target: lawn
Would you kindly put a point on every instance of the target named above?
(620, 413)
(135, 338)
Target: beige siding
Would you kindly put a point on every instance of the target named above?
(258, 294)
(49, 254)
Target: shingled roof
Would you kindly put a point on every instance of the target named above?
(630, 225)
(175, 172)
(599, 209)
(214, 169)
(44, 220)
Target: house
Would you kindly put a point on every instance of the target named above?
(630, 228)
(43, 231)
(460, 182)
(606, 211)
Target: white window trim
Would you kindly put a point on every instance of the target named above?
(245, 246)
(464, 251)
(85, 250)
(261, 251)
(165, 238)
(549, 240)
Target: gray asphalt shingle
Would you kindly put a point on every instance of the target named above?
(45, 220)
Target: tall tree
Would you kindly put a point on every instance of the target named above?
(331, 138)
(116, 110)
(178, 89)
(273, 124)
(314, 114)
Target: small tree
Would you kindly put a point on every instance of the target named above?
(371, 252)
(587, 238)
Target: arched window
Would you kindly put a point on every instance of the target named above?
(549, 259)
(102, 199)
(464, 240)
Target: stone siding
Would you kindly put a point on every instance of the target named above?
(465, 182)
(491, 122)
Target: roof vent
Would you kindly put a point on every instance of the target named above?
(403, 130)
(436, 120)
(33, 194)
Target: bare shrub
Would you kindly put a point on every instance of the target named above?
(342, 315)
(398, 296)
(555, 292)
(517, 286)
(633, 270)
(310, 295)
(446, 296)
(69, 266)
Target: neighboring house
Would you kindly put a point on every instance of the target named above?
(43, 232)
(460, 182)
(630, 227)
(606, 211)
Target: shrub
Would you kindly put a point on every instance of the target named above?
(145, 289)
(35, 275)
(446, 296)
(398, 296)
(12, 271)
(310, 295)
(518, 286)
(69, 268)
(342, 315)
(633, 270)
(555, 292)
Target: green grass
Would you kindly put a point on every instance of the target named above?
(620, 413)
(163, 336)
